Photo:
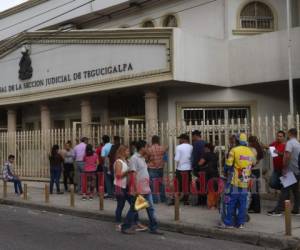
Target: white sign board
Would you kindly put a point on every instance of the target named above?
(60, 65)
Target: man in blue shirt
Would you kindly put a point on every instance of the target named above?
(197, 154)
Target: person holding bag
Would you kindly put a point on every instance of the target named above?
(141, 186)
(121, 171)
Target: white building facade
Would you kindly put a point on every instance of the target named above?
(110, 61)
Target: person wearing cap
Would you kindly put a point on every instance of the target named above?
(238, 168)
(79, 153)
(183, 158)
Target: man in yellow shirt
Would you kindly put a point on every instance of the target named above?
(238, 167)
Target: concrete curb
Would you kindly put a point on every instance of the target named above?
(252, 238)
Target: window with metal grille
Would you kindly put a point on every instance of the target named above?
(170, 21)
(257, 15)
(207, 115)
(148, 24)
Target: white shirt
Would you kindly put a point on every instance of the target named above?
(183, 157)
(121, 182)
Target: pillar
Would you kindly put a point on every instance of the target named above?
(86, 117)
(11, 129)
(151, 113)
(104, 116)
(11, 120)
(45, 118)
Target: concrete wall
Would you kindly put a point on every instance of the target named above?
(200, 60)
(262, 100)
(50, 13)
(194, 16)
(263, 58)
(279, 7)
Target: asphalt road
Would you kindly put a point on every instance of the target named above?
(27, 229)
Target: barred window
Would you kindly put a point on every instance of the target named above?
(257, 15)
(148, 24)
(170, 21)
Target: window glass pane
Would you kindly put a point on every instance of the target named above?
(214, 114)
(238, 113)
(193, 115)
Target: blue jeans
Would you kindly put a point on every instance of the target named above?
(157, 184)
(122, 196)
(109, 182)
(17, 185)
(275, 180)
(55, 173)
(235, 201)
(79, 170)
(132, 213)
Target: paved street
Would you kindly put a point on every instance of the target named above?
(24, 229)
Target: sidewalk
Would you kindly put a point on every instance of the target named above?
(262, 230)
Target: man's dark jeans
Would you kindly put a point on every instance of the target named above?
(157, 184)
(55, 173)
(184, 179)
(275, 180)
(122, 196)
(17, 185)
(131, 215)
(109, 182)
(285, 195)
(68, 175)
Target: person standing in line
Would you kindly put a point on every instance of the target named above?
(275, 183)
(10, 176)
(69, 157)
(256, 170)
(290, 164)
(56, 165)
(106, 166)
(112, 157)
(99, 175)
(79, 151)
(209, 165)
(90, 167)
(139, 170)
(197, 154)
(121, 171)
(156, 153)
(183, 155)
(238, 170)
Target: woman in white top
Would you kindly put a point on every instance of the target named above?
(121, 187)
(120, 181)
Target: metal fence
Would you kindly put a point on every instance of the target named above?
(32, 148)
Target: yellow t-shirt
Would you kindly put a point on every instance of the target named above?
(241, 158)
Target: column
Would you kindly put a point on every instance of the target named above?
(86, 117)
(104, 116)
(45, 117)
(151, 113)
(11, 129)
(11, 120)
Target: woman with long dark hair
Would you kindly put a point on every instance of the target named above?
(257, 150)
(209, 164)
(90, 168)
(56, 163)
